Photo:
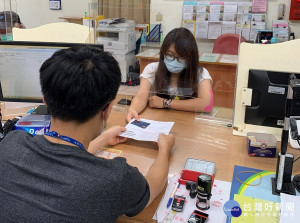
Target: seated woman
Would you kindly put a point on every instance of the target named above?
(177, 75)
(9, 20)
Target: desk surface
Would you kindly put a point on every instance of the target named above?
(193, 139)
(196, 140)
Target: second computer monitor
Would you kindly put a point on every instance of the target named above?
(269, 93)
(19, 68)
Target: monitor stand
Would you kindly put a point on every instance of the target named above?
(41, 110)
(287, 185)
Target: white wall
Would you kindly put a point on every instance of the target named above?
(35, 13)
(172, 12)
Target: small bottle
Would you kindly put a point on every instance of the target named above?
(143, 38)
(273, 40)
(161, 37)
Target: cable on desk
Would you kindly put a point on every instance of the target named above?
(296, 159)
(248, 171)
(298, 139)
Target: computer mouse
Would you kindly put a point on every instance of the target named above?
(296, 182)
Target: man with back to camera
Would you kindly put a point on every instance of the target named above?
(9, 20)
(56, 177)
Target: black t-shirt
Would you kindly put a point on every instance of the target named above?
(41, 181)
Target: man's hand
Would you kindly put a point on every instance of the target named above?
(109, 137)
(156, 102)
(132, 114)
(165, 143)
(158, 172)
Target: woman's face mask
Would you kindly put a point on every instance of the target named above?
(174, 64)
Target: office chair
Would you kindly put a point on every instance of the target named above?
(56, 32)
(227, 44)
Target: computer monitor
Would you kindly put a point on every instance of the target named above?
(19, 68)
(269, 93)
(263, 35)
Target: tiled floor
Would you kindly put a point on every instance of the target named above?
(128, 90)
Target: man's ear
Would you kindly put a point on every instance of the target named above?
(107, 111)
(44, 101)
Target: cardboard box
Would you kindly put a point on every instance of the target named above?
(34, 124)
(261, 144)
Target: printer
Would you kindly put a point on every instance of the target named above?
(119, 38)
(117, 35)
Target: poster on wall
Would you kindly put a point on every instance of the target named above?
(190, 25)
(210, 19)
(259, 5)
(189, 10)
(55, 4)
(201, 29)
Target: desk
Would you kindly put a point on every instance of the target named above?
(77, 20)
(150, 45)
(223, 73)
(195, 140)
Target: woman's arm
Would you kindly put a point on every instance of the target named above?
(140, 100)
(203, 103)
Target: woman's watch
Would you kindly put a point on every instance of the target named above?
(167, 103)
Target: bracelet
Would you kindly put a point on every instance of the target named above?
(167, 103)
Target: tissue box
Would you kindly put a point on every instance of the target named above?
(261, 144)
(34, 124)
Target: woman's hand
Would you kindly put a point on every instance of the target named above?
(132, 114)
(156, 102)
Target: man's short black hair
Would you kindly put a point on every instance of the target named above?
(78, 82)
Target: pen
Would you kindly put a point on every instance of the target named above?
(1, 128)
(172, 195)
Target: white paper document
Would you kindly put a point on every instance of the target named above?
(243, 19)
(229, 17)
(255, 26)
(258, 17)
(203, 7)
(290, 211)
(202, 16)
(229, 58)
(216, 7)
(215, 17)
(190, 25)
(228, 27)
(230, 7)
(148, 132)
(188, 9)
(201, 29)
(244, 7)
(245, 31)
(214, 30)
(188, 16)
(220, 194)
